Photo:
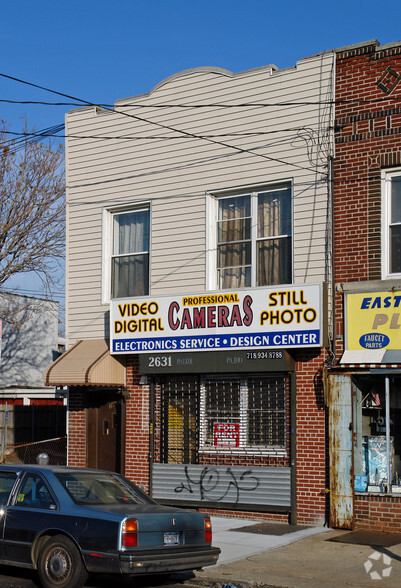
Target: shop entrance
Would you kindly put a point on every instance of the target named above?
(223, 440)
(179, 420)
(104, 431)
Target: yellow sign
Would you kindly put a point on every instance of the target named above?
(373, 320)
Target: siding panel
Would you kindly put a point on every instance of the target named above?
(114, 160)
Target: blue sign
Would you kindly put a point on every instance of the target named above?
(374, 341)
(216, 342)
(361, 483)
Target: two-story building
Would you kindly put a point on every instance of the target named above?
(199, 285)
(365, 381)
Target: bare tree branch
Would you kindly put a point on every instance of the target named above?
(32, 210)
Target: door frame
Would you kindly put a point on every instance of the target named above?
(97, 399)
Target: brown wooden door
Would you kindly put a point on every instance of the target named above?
(104, 433)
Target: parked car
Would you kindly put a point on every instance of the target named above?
(66, 522)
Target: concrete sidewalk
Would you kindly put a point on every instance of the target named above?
(236, 545)
(302, 559)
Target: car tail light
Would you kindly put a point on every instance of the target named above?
(208, 530)
(130, 533)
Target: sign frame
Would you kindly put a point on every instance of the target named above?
(274, 317)
(372, 321)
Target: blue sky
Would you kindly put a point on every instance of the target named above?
(102, 51)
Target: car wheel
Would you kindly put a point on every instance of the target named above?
(60, 564)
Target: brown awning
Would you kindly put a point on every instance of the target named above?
(87, 363)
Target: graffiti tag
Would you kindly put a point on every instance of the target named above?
(214, 486)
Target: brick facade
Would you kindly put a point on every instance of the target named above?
(376, 512)
(310, 438)
(137, 427)
(367, 141)
(77, 438)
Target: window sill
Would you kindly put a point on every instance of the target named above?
(268, 452)
(378, 493)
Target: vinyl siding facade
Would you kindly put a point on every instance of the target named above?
(119, 157)
(197, 136)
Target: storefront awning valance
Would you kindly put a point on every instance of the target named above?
(87, 363)
(371, 356)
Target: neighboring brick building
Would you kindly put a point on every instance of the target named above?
(365, 390)
(197, 252)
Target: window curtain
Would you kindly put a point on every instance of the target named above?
(131, 250)
(131, 232)
(234, 250)
(274, 254)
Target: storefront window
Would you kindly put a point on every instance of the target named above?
(377, 433)
(243, 413)
(223, 415)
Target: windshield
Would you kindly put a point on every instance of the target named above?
(87, 488)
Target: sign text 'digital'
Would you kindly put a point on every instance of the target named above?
(259, 318)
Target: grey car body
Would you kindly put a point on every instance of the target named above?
(66, 522)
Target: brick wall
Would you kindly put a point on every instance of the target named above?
(377, 512)
(311, 440)
(77, 428)
(368, 139)
(137, 427)
(311, 446)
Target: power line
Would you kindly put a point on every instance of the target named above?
(194, 106)
(160, 125)
(26, 137)
(61, 127)
(60, 295)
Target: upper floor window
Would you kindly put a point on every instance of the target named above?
(130, 253)
(254, 238)
(391, 223)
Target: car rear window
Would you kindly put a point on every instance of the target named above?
(89, 488)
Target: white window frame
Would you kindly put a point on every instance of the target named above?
(386, 184)
(107, 249)
(212, 210)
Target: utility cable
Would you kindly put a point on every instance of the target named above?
(160, 125)
(211, 105)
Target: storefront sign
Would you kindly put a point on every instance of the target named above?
(226, 434)
(262, 318)
(373, 321)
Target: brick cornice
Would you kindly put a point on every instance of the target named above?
(368, 135)
(374, 51)
(369, 115)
